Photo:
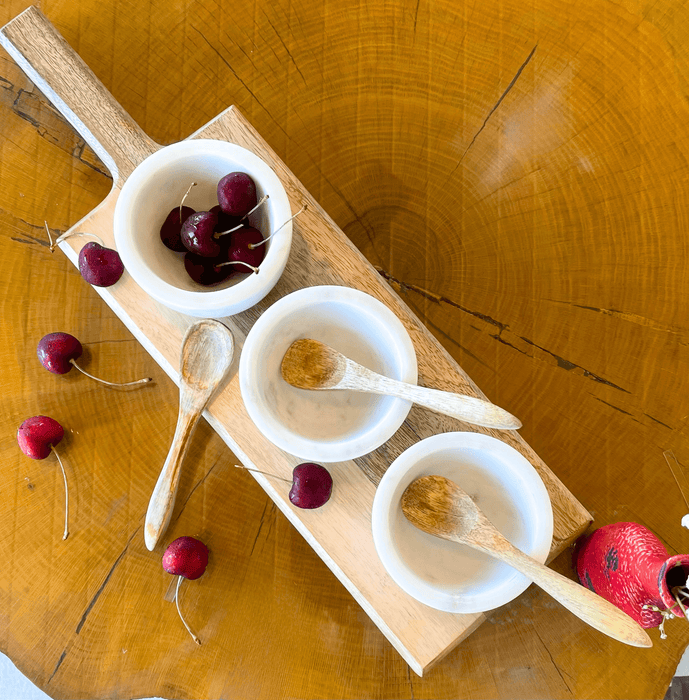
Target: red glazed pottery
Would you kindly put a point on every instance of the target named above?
(627, 564)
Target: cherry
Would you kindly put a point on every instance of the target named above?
(225, 221)
(58, 353)
(185, 557)
(171, 230)
(100, 266)
(206, 271)
(198, 234)
(312, 484)
(241, 247)
(237, 194)
(37, 437)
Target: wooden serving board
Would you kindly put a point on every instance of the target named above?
(340, 532)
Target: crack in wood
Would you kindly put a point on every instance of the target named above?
(411, 685)
(260, 525)
(552, 659)
(98, 593)
(198, 483)
(497, 104)
(91, 604)
(282, 41)
(665, 425)
(617, 408)
(34, 108)
(440, 299)
(57, 666)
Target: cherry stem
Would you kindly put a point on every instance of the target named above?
(65, 236)
(186, 194)
(265, 240)
(145, 380)
(258, 471)
(251, 211)
(229, 230)
(181, 617)
(238, 262)
(65, 535)
(50, 238)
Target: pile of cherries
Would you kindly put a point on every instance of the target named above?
(218, 243)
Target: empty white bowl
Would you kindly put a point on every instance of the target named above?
(450, 576)
(326, 426)
(157, 185)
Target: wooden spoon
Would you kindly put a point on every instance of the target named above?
(310, 364)
(207, 351)
(439, 507)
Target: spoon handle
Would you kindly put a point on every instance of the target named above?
(466, 408)
(586, 605)
(163, 497)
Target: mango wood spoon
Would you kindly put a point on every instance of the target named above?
(207, 351)
(439, 507)
(310, 364)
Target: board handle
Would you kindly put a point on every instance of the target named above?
(63, 77)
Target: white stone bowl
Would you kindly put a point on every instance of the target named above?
(326, 426)
(450, 576)
(157, 185)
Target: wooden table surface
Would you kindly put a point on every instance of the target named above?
(516, 172)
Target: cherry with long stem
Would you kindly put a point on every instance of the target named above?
(186, 557)
(311, 484)
(98, 265)
(37, 437)
(58, 352)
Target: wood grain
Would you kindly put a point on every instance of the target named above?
(358, 568)
(515, 172)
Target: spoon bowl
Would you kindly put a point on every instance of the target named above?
(441, 508)
(205, 360)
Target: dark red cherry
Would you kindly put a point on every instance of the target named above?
(237, 194)
(55, 351)
(225, 221)
(100, 266)
(311, 486)
(205, 271)
(197, 234)
(239, 247)
(171, 230)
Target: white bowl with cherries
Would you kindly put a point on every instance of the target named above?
(204, 227)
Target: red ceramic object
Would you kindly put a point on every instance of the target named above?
(627, 564)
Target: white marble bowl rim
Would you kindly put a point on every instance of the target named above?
(343, 300)
(515, 472)
(224, 301)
